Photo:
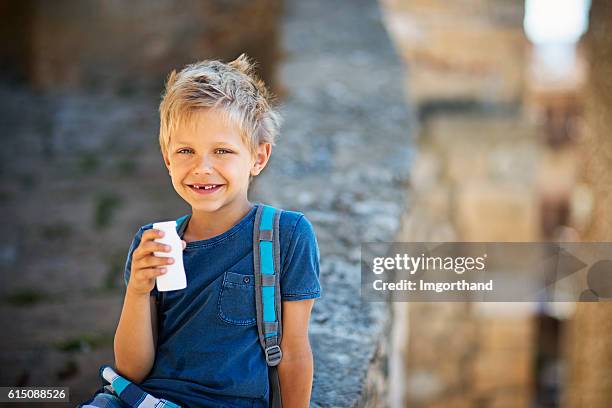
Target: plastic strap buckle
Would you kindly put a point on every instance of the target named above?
(265, 235)
(273, 355)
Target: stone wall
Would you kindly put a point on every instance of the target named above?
(506, 156)
(454, 51)
(109, 45)
(476, 177)
(343, 161)
(590, 340)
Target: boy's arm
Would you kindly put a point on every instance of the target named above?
(295, 370)
(136, 337)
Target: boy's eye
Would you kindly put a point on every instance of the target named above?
(219, 151)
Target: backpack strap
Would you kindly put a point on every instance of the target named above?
(181, 225)
(266, 258)
(266, 254)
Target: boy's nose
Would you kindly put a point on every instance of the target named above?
(203, 170)
(204, 166)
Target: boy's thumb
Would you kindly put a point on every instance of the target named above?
(184, 244)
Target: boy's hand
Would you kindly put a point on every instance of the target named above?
(145, 265)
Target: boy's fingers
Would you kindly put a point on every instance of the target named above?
(153, 246)
(151, 273)
(146, 249)
(154, 261)
(152, 234)
(148, 236)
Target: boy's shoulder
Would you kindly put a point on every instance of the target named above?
(296, 225)
(291, 217)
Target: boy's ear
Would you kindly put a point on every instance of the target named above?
(167, 162)
(264, 150)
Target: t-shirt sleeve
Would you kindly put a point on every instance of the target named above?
(128, 262)
(300, 270)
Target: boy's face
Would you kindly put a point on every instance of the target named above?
(207, 149)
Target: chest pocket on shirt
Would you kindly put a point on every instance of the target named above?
(236, 303)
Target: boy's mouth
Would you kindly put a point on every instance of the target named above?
(205, 188)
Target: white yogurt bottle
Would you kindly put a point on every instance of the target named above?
(174, 278)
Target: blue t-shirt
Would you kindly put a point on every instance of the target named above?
(208, 352)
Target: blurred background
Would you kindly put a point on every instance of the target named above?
(405, 120)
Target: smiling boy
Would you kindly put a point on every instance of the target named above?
(200, 347)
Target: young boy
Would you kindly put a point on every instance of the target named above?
(216, 133)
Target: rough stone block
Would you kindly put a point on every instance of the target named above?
(497, 213)
(497, 371)
(505, 335)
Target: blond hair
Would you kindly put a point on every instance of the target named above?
(232, 87)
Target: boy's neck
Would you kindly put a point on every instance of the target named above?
(205, 225)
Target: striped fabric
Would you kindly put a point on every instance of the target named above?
(126, 394)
